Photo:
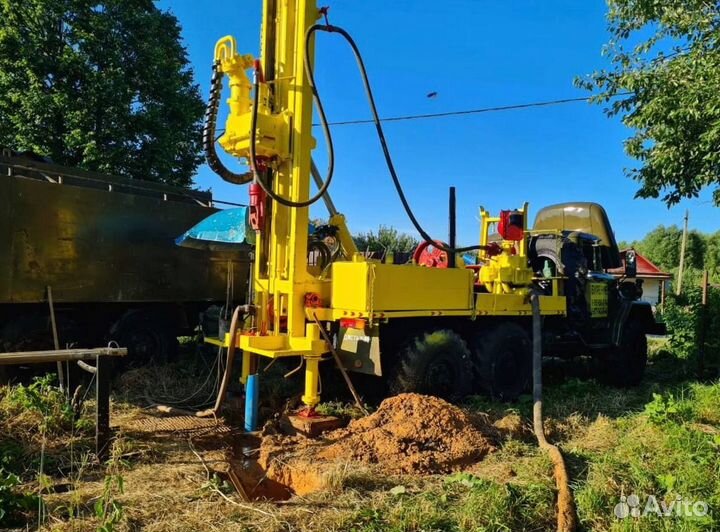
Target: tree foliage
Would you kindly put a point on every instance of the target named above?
(386, 239)
(665, 84)
(662, 247)
(712, 254)
(99, 84)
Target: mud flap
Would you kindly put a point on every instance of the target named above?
(359, 349)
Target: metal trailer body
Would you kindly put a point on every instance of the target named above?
(106, 247)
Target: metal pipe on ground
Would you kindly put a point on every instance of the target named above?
(61, 355)
(566, 511)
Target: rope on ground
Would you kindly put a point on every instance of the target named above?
(566, 512)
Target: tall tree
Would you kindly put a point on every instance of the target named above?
(99, 84)
(665, 84)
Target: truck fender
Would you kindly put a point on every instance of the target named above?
(634, 311)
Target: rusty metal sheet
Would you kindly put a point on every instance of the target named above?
(98, 244)
(185, 424)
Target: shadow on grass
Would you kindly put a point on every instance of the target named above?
(570, 389)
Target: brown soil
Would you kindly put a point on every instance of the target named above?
(409, 433)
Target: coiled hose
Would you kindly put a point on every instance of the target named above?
(209, 132)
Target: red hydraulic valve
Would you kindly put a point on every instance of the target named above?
(257, 206)
(313, 300)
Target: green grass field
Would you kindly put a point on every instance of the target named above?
(661, 439)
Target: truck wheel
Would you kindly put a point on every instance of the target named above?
(503, 360)
(434, 363)
(624, 365)
(146, 338)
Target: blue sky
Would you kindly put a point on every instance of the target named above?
(473, 53)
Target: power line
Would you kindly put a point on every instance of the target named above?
(512, 107)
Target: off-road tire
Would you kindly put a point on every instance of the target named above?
(434, 363)
(502, 356)
(148, 339)
(623, 366)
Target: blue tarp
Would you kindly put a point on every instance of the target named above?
(222, 231)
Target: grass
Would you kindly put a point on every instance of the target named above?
(661, 439)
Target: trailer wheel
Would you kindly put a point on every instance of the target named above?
(434, 363)
(147, 338)
(503, 360)
(624, 365)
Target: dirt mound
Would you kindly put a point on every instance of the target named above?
(409, 433)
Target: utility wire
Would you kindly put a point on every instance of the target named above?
(512, 107)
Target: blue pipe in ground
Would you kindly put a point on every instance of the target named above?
(252, 402)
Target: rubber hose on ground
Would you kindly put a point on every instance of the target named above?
(566, 512)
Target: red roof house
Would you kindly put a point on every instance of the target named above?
(654, 279)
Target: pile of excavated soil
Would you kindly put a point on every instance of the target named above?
(409, 433)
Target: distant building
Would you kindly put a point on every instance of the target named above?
(655, 280)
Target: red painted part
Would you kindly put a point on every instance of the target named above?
(426, 254)
(259, 71)
(308, 412)
(257, 206)
(312, 300)
(352, 323)
(493, 249)
(511, 226)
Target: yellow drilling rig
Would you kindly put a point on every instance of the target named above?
(436, 325)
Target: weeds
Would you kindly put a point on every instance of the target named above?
(44, 398)
(665, 408)
(340, 409)
(109, 511)
(13, 500)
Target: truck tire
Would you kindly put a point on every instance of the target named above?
(434, 363)
(147, 338)
(623, 366)
(503, 360)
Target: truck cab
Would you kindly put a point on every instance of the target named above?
(605, 317)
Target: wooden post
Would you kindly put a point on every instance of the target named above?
(681, 268)
(662, 291)
(102, 421)
(702, 325)
(56, 339)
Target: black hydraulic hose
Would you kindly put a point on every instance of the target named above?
(323, 121)
(381, 136)
(209, 127)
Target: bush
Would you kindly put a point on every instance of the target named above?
(683, 316)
